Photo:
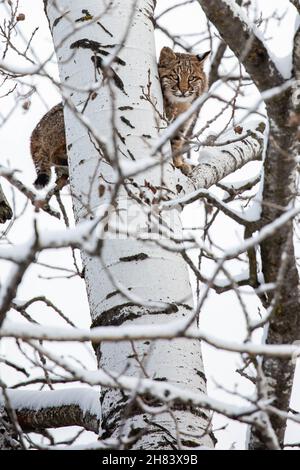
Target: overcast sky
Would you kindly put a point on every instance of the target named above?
(221, 315)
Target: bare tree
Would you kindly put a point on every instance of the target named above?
(127, 200)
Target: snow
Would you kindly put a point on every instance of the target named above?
(131, 168)
(239, 13)
(283, 62)
(265, 232)
(161, 330)
(234, 181)
(224, 281)
(19, 69)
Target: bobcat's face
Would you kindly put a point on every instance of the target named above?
(182, 75)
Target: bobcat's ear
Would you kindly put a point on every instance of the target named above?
(203, 57)
(166, 54)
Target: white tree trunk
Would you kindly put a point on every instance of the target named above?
(143, 270)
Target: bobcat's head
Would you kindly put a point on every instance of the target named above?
(182, 76)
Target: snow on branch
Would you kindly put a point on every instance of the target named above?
(163, 391)
(19, 70)
(218, 161)
(169, 330)
(34, 197)
(37, 410)
(239, 217)
(245, 41)
(296, 4)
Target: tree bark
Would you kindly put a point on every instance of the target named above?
(279, 193)
(37, 410)
(8, 437)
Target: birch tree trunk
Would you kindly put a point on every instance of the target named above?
(129, 281)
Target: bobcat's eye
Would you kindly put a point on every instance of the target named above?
(192, 78)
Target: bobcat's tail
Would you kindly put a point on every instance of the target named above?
(40, 161)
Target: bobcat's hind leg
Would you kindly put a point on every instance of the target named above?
(62, 176)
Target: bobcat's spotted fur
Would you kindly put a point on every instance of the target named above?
(48, 147)
(183, 80)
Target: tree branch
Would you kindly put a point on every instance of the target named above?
(296, 4)
(52, 409)
(216, 163)
(241, 36)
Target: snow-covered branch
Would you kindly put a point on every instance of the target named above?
(244, 39)
(220, 160)
(165, 392)
(248, 44)
(171, 330)
(296, 4)
(37, 410)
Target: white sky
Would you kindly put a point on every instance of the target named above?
(222, 314)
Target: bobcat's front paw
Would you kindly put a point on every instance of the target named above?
(182, 165)
(61, 181)
(186, 168)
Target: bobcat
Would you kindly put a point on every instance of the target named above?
(48, 148)
(183, 80)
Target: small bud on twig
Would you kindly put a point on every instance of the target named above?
(20, 17)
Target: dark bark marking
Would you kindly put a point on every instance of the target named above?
(57, 20)
(131, 155)
(122, 139)
(127, 122)
(104, 29)
(97, 61)
(201, 375)
(137, 257)
(87, 17)
(112, 294)
(116, 316)
(97, 47)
